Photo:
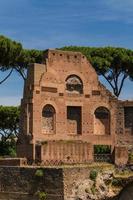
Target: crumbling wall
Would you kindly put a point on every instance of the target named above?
(26, 183)
(124, 133)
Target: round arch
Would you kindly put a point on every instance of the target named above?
(74, 84)
(102, 121)
(48, 118)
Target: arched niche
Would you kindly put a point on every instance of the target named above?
(102, 121)
(48, 119)
(74, 84)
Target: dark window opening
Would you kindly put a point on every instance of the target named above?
(74, 84)
(128, 115)
(74, 121)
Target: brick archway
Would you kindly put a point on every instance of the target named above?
(48, 118)
(74, 84)
(102, 121)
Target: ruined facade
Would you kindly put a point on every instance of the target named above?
(66, 111)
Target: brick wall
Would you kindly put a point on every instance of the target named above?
(62, 152)
(54, 83)
(24, 184)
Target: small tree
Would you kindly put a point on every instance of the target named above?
(9, 122)
(9, 129)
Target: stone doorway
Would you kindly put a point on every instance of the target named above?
(74, 121)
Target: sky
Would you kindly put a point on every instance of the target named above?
(43, 24)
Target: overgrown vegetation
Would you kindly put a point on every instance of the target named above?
(42, 195)
(93, 189)
(116, 182)
(39, 173)
(93, 174)
(130, 157)
(8, 148)
(9, 129)
(102, 149)
(123, 173)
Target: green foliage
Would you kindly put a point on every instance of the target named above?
(93, 174)
(114, 64)
(126, 172)
(116, 182)
(9, 52)
(39, 173)
(9, 122)
(130, 157)
(29, 56)
(102, 149)
(93, 189)
(8, 148)
(12, 151)
(42, 195)
(9, 129)
(14, 57)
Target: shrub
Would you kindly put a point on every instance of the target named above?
(12, 152)
(93, 175)
(102, 149)
(93, 189)
(42, 195)
(130, 157)
(116, 182)
(39, 173)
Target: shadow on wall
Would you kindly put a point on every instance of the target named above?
(127, 193)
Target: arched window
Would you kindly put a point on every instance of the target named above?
(48, 119)
(74, 84)
(102, 121)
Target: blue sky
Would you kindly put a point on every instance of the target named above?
(45, 24)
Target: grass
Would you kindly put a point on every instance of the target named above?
(123, 174)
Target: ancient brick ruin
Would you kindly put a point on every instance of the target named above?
(65, 111)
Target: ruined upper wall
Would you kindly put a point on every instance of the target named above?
(61, 64)
(65, 56)
(127, 103)
(57, 66)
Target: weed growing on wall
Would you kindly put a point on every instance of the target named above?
(39, 173)
(42, 195)
(93, 174)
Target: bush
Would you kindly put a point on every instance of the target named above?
(93, 189)
(130, 157)
(39, 173)
(12, 152)
(8, 148)
(93, 175)
(42, 195)
(102, 149)
(116, 182)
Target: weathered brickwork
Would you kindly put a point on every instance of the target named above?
(125, 124)
(25, 183)
(66, 152)
(66, 183)
(64, 101)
